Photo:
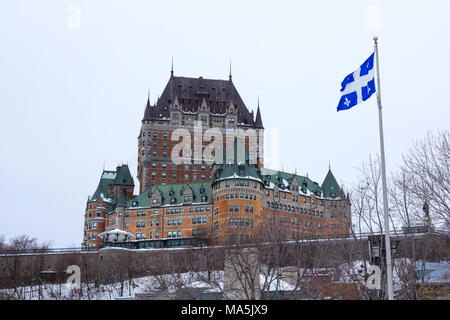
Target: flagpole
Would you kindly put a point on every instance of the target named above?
(383, 175)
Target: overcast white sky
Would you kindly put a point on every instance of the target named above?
(72, 96)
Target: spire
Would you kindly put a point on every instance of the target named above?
(258, 121)
(171, 70)
(147, 112)
(230, 71)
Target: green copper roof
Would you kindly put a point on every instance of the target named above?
(272, 176)
(121, 199)
(123, 177)
(172, 194)
(106, 182)
(235, 171)
(330, 186)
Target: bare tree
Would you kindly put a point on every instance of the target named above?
(367, 197)
(427, 168)
(405, 205)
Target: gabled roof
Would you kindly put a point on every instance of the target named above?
(173, 191)
(330, 186)
(272, 176)
(186, 88)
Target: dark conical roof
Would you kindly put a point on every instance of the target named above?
(258, 121)
(148, 110)
(330, 187)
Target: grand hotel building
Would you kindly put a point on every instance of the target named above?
(218, 202)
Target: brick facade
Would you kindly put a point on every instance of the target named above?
(216, 202)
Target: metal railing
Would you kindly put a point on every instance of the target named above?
(46, 251)
(357, 236)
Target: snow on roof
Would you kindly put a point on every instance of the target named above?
(236, 176)
(105, 199)
(109, 175)
(115, 235)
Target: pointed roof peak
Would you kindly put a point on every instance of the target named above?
(148, 98)
(123, 176)
(121, 198)
(330, 186)
(258, 121)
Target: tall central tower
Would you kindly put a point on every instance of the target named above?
(216, 103)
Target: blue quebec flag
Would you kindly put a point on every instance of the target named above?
(358, 86)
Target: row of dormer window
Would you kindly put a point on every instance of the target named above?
(240, 196)
(293, 209)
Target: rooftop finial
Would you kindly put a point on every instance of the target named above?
(171, 70)
(230, 69)
(329, 164)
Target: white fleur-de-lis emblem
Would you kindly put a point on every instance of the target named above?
(347, 102)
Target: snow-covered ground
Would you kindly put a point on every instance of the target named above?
(128, 289)
(212, 283)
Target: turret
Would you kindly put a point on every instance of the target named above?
(123, 180)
